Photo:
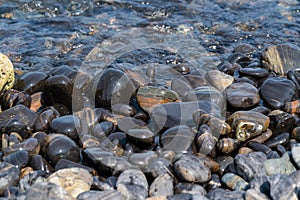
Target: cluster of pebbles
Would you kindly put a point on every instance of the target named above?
(231, 133)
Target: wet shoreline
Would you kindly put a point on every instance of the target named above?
(149, 100)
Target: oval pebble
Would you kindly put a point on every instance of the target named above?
(133, 184)
(73, 180)
(242, 95)
(192, 169)
(162, 186)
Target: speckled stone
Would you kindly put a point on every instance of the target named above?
(162, 186)
(133, 184)
(73, 180)
(281, 165)
(225, 194)
(250, 165)
(234, 182)
(101, 195)
(296, 155)
(45, 190)
(7, 76)
(282, 187)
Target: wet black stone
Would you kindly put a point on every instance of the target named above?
(254, 72)
(13, 97)
(45, 118)
(228, 68)
(174, 114)
(126, 123)
(102, 130)
(142, 160)
(239, 58)
(224, 162)
(277, 91)
(58, 90)
(142, 138)
(18, 119)
(250, 165)
(31, 82)
(59, 146)
(244, 48)
(9, 175)
(120, 136)
(37, 162)
(18, 158)
(94, 155)
(256, 146)
(30, 145)
(64, 70)
(68, 125)
(112, 165)
(293, 75)
(113, 87)
(281, 122)
(281, 139)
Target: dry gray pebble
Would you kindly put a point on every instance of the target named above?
(225, 194)
(281, 165)
(101, 195)
(162, 186)
(133, 184)
(9, 175)
(47, 191)
(250, 165)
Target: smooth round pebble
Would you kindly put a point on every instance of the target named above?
(133, 184)
(73, 180)
(242, 95)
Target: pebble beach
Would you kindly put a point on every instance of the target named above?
(158, 100)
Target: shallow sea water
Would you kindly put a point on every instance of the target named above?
(50, 33)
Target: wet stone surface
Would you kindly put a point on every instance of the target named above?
(149, 100)
(192, 169)
(242, 95)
